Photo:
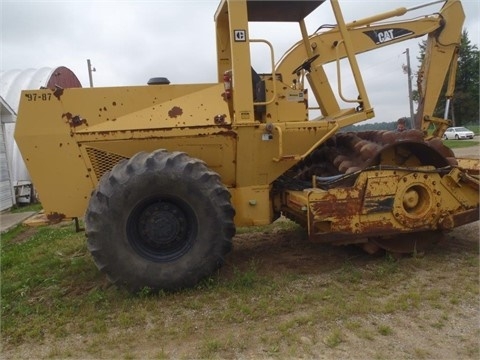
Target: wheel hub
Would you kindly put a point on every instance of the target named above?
(161, 229)
(411, 199)
(162, 225)
(417, 202)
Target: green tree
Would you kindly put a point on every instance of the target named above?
(466, 99)
(464, 107)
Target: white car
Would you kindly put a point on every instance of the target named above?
(458, 133)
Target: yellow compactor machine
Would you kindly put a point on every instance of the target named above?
(164, 173)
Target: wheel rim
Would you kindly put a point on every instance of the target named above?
(162, 229)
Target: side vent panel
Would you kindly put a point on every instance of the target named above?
(102, 161)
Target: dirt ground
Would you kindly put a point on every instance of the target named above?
(468, 152)
(422, 333)
(457, 340)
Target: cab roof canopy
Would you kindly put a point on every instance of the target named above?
(277, 10)
(281, 10)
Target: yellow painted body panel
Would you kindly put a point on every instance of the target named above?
(252, 205)
(251, 134)
(73, 120)
(89, 140)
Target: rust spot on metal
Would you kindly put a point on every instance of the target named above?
(175, 111)
(74, 121)
(55, 218)
(333, 207)
(58, 92)
(227, 133)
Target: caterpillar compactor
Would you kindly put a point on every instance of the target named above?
(163, 173)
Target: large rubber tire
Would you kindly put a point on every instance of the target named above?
(159, 221)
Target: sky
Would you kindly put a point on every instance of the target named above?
(128, 42)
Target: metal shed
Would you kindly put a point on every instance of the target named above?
(6, 187)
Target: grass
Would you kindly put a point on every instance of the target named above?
(24, 208)
(52, 292)
(334, 338)
(456, 144)
(474, 127)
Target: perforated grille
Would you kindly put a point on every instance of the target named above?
(102, 161)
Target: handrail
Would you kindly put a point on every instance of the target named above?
(272, 62)
(339, 80)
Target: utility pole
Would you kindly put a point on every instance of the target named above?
(90, 70)
(408, 70)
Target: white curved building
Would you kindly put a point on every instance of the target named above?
(15, 183)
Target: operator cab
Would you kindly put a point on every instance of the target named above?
(274, 11)
(252, 99)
